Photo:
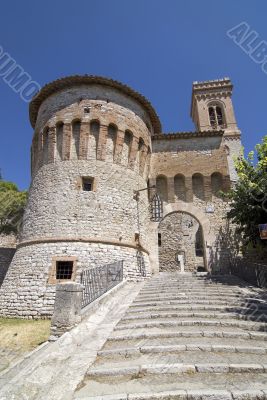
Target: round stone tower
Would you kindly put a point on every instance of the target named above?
(90, 154)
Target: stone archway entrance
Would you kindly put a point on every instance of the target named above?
(181, 243)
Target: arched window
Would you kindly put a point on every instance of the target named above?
(216, 117)
(179, 187)
(216, 183)
(162, 190)
(198, 186)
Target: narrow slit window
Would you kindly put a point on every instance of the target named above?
(64, 270)
(159, 239)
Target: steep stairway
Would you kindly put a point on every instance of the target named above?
(185, 337)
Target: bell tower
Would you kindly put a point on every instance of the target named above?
(212, 107)
(212, 110)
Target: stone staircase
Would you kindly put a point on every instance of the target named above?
(185, 337)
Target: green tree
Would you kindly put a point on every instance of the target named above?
(12, 204)
(249, 196)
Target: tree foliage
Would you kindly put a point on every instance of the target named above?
(12, 204)
(249, 196)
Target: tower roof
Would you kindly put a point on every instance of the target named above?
(75, 80)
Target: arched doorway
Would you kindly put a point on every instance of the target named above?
(181, 243)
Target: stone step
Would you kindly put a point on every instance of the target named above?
(167, 284)
(200, 307)
(200, 295)
(200, 281)
(201, 286)
(174, 315)
(246, 325)
(181, 341)
(185, 395)
(219, 301)
(124, 352)
(190, 292)
(132, 372)
(180, 354)
(222, 334)
(189, 295)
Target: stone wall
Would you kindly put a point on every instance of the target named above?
(7, 251)
(111, 145)
(178, 236)
(26, 291)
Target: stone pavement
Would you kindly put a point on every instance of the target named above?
(172, 337)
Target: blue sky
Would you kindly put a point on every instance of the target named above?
(158, 47)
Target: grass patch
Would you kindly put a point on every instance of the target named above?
(23, 335)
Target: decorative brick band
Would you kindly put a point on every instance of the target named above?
(83, 240)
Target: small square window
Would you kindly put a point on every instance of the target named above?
(87, 184)
(64, 269)
(86, 110)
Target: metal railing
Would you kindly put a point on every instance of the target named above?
(99, 280)
(252, 272)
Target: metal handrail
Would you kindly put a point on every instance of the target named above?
(99, 280)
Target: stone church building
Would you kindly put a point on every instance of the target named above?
(108, 184)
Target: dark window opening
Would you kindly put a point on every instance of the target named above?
(64, 269)
(212, 116)
(219, 116)
(86, 110)
(87, 184)
(216, 116)
(159, 239)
